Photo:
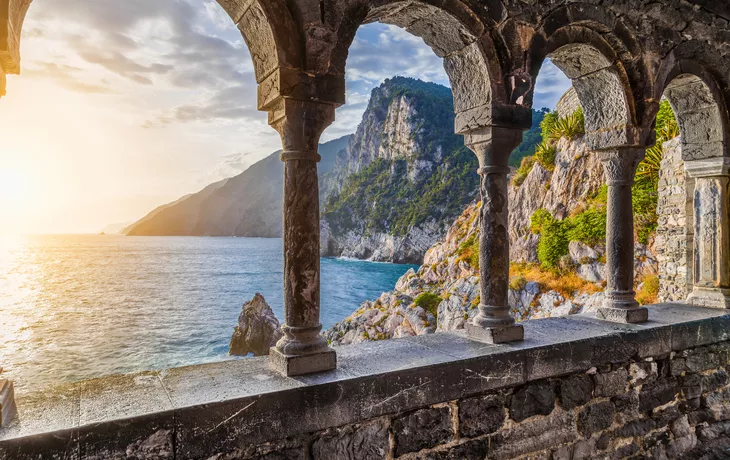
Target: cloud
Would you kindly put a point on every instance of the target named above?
(551, 84)
(230, 104)
(381, 51)
(189, 42)
(68, 77)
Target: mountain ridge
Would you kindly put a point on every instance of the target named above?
(246, 205)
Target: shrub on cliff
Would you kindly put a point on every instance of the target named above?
(429, 302)
(469, 251)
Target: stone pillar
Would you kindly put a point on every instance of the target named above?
(493, 323)
(620, 303)
(711, 254)
(302, 350)
(7, 401)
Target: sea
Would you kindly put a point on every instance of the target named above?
(74, 307)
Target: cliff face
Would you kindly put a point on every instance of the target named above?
(401, 180)
(245, 205)
(578, 176)
(444, 292)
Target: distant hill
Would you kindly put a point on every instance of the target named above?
(248, 204)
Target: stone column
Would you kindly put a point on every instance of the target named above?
(493, 323)
(302, 350)
(620, 303)
(711, 287)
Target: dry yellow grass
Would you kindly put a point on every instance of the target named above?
(647, 295)
(567, 284)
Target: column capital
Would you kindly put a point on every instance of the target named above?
(621, 137)
(300, 125)
(708, 167)
(620, 164)
(493, 145)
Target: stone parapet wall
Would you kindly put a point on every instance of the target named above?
(674, 229)
(675, 406)
(576, 387)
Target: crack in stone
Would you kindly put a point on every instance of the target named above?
(227, 420)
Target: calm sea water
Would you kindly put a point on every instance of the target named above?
(77, 307)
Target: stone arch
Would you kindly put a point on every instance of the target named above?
(454, 33)
(699, 107)
(700, 223)
(269, 32)
(583, 41)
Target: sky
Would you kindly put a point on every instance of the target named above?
(122, 106)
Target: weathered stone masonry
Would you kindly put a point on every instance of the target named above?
(576, 387)
(674, 406)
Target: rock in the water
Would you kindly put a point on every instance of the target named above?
(257, 330)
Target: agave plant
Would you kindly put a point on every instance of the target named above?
(545, 154)
(667, 132)
(649, 167)
(570, 126)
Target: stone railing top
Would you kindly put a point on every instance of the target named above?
(223, 406)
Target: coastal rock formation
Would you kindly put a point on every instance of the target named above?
(444, 292)
(401, 180)
(257, 330)
(577, 176)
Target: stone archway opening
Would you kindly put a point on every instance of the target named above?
(407, 136)
(692, 233)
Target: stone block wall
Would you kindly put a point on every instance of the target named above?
(673, 244)
(568, 103)
(664, 407)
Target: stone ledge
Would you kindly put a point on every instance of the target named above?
(198, 411)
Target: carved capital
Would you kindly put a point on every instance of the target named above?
(620, 165)
(493, 146)
(284, 83)
(708, 167)
(620, 138)
(300, 125)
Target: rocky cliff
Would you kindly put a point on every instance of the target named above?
(444, 292)
(245, 205)
(402, 179)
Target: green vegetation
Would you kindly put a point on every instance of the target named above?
(545, 155)
(569, 127)
(588, 224)
(530, 139)
(429, 302)
(646, 188)
(469, 251)
(552, 129)
(381, 195)
(523, 170)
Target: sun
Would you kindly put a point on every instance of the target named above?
(16, 190)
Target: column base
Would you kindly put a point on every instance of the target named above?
(293, 365)
(505, 334)
(623, 315)
(7, 402)
(709, 297)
